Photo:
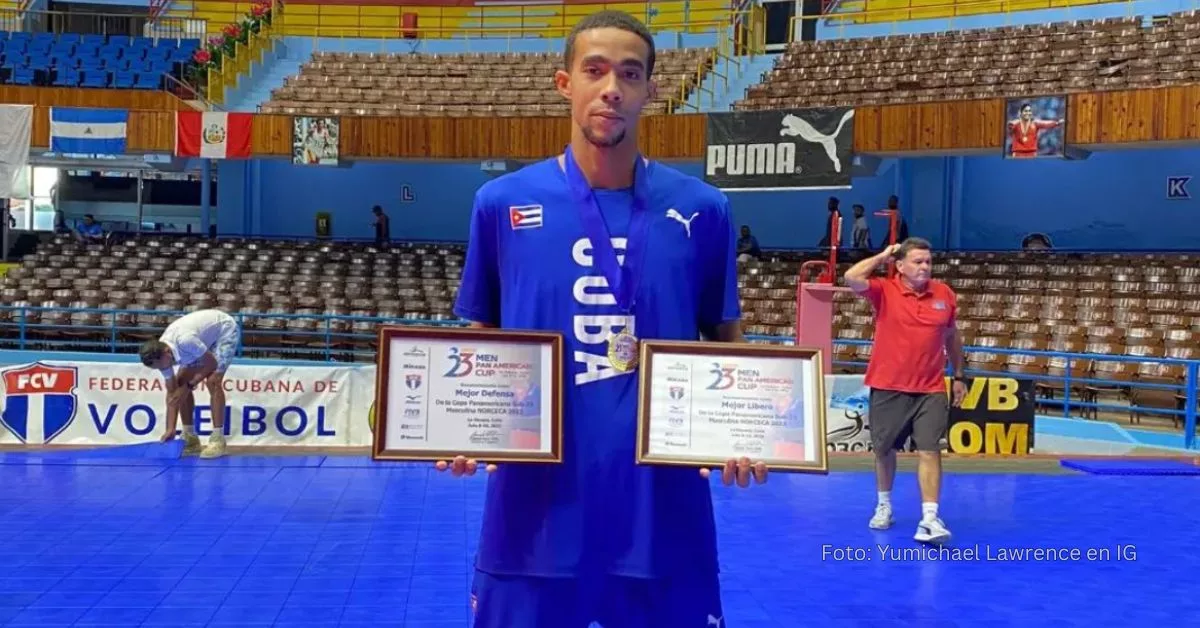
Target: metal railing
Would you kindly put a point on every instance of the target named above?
(904, 10)
(1077, 378)
(95, 23)
(349, 338)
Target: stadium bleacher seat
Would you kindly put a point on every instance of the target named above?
(74, 60)
(1083, 56)
(508, 84)
(1134, 304)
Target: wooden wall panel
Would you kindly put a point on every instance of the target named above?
(674, 137)
(453, 138)
(271, 135)
(1179, 114)
(100, 98)
(151, 132)
(663, 137)
(1170, 114)
(917, 127)
(1167, 114)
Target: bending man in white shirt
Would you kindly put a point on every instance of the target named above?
(201, 345)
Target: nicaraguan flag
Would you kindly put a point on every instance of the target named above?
(88, 131)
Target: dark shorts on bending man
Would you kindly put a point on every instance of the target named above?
(895, 416)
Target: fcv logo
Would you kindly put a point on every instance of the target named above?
(462, 362)
(723, 377)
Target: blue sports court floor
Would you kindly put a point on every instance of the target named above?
(316, 541)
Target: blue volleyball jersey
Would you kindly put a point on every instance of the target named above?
(529, 267)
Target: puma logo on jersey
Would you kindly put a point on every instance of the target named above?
(715, 621)
(686, 222)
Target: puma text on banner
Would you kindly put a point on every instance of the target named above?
(16, 127)
(213, 134)
(785, 149)
(78, 131)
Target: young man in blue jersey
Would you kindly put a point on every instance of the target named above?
(599, 538)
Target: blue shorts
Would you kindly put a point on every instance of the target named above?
(611, 602)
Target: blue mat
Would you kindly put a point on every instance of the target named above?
(365, 462)
(1132, 466)
(144, 451)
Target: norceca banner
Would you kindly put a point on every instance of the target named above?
(996, 417)
(104, 403)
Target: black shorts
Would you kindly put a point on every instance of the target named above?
(895, 416)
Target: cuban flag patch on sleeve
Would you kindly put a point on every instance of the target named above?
(525, 216)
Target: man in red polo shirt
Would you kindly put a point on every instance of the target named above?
(915, 333)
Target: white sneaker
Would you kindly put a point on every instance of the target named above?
(932, 531)
(191, 444)
(214, 449)
(883, 517)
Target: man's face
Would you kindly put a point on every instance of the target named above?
(165, 361)
(745, 232)
(607, 84)
(916, 267)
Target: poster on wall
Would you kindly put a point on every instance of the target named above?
(315, 141)
(996, 417)
(785, 149)
(1035, 127)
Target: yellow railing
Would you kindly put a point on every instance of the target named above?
(228, 72)
(889, 11)
(375, 21)
(725, 62)
(327, 37)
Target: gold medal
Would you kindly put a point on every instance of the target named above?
(623, 350)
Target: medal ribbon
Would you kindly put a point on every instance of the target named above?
(622, 279)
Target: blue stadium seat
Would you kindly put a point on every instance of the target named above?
(123, 79)
(149, 80)
(95, 78)
(67, 78)
(22, 76)
(72, 59)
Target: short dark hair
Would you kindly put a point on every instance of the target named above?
(152, 351)
(913, 244)
(609, 18)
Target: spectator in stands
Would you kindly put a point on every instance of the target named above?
(893, 205)
(60, 222)
(90, 232)
(861, 234)
(747, 246)
(599, 538)
(383, 226)
(834, 214)
(1036, 242)
(201, 345)
(915, 333)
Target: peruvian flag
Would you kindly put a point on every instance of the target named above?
(213, 134)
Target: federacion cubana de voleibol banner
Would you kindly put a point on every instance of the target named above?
(94, 403)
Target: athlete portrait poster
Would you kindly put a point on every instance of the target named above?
(315, 141)
(1035, 127)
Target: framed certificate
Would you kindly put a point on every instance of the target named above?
(488, 394)
(703, 403)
